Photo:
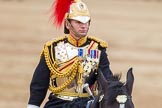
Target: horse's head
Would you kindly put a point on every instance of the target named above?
(114, 93)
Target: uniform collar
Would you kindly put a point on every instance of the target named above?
(75, 42)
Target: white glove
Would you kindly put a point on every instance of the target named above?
(32, 106)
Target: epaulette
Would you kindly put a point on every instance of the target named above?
(56, 40)
(101, 42)
(50, 43)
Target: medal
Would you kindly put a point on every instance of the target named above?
(93, 54)
(80, 52)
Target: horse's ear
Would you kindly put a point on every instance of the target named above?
(101, 79)
(130, 81)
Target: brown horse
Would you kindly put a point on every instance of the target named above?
(113, 93)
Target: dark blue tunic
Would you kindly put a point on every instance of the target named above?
(41, 78)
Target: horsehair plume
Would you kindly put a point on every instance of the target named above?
(59, 9)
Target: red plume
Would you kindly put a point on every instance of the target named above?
(59, 9)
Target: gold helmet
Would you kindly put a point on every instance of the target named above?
(69, 9)
(79, 11)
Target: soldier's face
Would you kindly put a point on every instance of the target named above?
(80, 28)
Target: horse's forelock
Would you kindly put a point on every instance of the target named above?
(115, 88)
(115, 77)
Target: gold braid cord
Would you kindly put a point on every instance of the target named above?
(80, 78)
(70, 72)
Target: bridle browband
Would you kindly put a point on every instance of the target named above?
(121, 99)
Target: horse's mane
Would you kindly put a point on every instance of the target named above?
(114, 88)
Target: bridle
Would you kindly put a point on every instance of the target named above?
(121, 99)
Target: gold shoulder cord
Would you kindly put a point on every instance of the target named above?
(55, 73)
(101, 42)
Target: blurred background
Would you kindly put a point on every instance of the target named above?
(132, 28)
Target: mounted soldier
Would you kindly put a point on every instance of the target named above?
(69, 62)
